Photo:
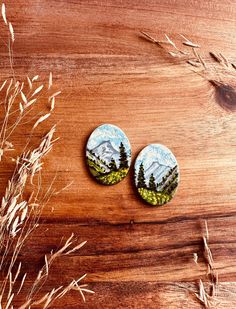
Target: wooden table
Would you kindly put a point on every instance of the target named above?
(136, 256)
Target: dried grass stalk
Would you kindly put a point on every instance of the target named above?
(19, 215)
(225, 93)
(56, 293)
(207, 297)
(189, 43)
(215, 57)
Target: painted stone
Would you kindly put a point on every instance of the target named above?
(108, 154)
(156, 174)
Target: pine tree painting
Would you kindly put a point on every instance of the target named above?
(141, 177)
(152, 185)
(123, 157)
(112, 165)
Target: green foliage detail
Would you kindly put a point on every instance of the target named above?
(171, 182)
(152, 183)
(154, 198)
(112, 165)
(141, 177)
(157, 194)
(95, 168)
(113, 176)
(124, 163)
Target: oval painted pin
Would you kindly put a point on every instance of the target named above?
(156, 174)
(108, 154)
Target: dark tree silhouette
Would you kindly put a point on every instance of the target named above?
(141, 177)
(152, 183)
(168, 175)
(123, 157)
(112, 165)
(172, 182)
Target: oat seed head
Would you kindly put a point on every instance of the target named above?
(4, 13)
(11, 32)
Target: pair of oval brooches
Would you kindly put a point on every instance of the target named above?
(156, 171)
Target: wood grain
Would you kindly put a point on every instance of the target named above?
(137, 256)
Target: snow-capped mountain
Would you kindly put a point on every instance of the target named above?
(158, 170)
(106, 152)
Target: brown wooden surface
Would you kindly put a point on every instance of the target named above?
(137, 256)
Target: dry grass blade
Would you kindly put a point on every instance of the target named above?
(206, 230)
(215, 57)
(208, 254)
(54, 95)
(194, 63)
(29, 82)
(30, 102)
(9, 303)
(52, 104)
(173, 54)
(23, 97)
(17, 272)
(158, 42)
(226, 62)
(189, 43)
(41, 119)
(50, 81)
(46, 265)
(12, 32)
(76, 248)
(40, 301)
(171, 42)
(37, 90)
(36, 77)
(148, 36)
(199, 58)
(4, 13)
(22, 283)
(195, 258)
(203, 296)
(3, 85)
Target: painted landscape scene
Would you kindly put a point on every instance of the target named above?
(156, 174)
(108, 154)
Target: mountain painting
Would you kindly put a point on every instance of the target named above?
(108, 154)
(156, 174)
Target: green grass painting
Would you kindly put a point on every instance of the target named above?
(154, 198)
(107, 178)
